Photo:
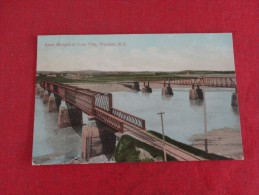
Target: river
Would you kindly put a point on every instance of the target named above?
(52, 145)
(183, 117)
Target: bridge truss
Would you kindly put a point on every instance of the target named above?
(95, 104)
(224, 82)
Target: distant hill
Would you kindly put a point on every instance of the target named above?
(96, 72)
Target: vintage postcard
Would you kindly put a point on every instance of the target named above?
(136, 98)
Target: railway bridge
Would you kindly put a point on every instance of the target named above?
(95, 104)
(195, 82)
(100, 106)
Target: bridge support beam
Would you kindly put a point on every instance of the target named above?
(38, 89)
(199, 93)
(234, 101)
(167, 90)
(45, 96)
(63, 116)
(57, 100)
(146, 88)
(90, 142)
(52, 106)
(86, 143)
(75, 115)
(41, 92)
(193, 94)
(136, 86)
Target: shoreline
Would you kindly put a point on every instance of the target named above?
(224, 141)
(117, 87)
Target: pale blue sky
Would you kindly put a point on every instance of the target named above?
(142, 52)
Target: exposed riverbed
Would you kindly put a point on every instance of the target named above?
(184, 118)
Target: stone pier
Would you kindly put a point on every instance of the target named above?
(45, 97)
(91, 142)
(234, 100)
(69, 115)
(136, 86)
(63, 116)
(52, 106)
(75, 115)
(41, 92)
(146, 88)
(199, 92)
(167, 90)
(38, 89)
(193, 94)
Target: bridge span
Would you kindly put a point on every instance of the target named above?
(100, 106)
(208, 81)
(192, 81)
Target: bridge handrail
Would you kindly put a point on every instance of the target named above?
(136, 121)
(109, 119)
(97, 104)
(74, 88)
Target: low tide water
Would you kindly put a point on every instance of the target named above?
(52, 145)
(183, 117)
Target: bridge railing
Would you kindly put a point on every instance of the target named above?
(80, 99)
(210, 81)
(103, 101)
(96, 104)
(109, 119)
(227, 82)
(136, 121)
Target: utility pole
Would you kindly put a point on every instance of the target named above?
(161, 114)
(205, 117)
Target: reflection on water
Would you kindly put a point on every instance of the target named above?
(53, 145)
(235, 110)
(167, 97)
(196, 102)
(183, 117)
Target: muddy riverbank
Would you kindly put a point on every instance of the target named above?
(226, 142)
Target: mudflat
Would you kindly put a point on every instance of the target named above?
(225, 141)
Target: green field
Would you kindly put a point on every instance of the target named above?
(104, 77)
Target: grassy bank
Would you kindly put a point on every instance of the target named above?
(126, 151)
(103, 77)
(198, 152)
